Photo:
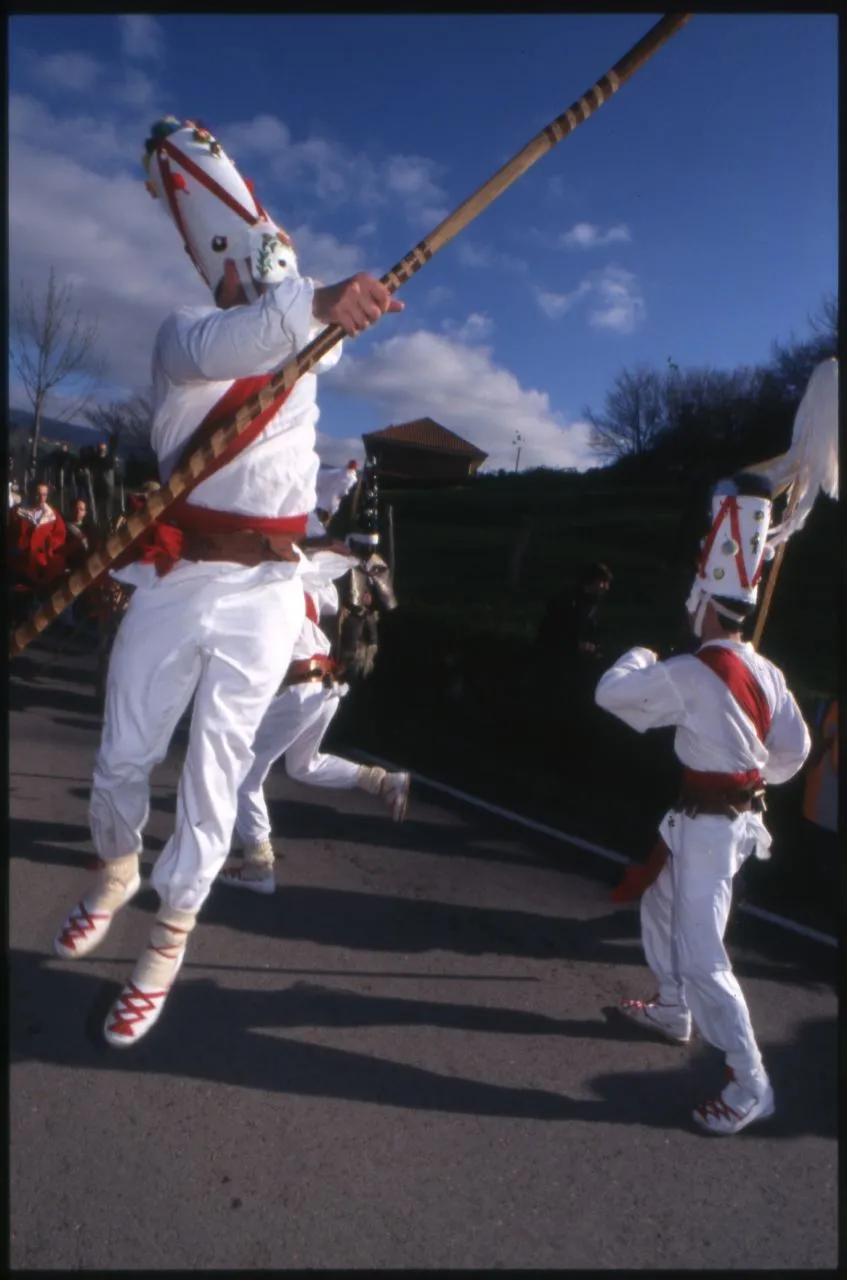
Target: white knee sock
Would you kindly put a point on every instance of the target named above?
(112, 883)
(158, 965)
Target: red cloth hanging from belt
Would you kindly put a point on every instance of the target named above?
(638, 878)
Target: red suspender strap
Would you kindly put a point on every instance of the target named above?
(311, 610)
(234, 399)
(742, 684)
(162, 536)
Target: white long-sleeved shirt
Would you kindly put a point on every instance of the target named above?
(199, 353)
(713, 734)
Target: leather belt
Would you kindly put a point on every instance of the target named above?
(246, 547)
(726, 804)
(316, 668)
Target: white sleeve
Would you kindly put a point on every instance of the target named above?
(639, 690)
(788, 741)
(330, 360)
(326, 600)
(240, 342)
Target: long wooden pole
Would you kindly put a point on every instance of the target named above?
(193, 471)
(770, 585)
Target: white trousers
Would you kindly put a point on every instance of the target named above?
(226, 644)
(294, 726)
(684, 915)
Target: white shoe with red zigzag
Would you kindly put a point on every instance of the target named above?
(139, 1006)
(136, 1011)
(671, 1022)
(89, 922)
(740, 1104)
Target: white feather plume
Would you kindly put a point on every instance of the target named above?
(811, 464)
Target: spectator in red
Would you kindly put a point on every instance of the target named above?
(36, 545)
(37, 536)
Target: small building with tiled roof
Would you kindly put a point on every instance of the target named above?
(422, 450)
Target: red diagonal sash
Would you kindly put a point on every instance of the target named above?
(742, 684)
(161, 537)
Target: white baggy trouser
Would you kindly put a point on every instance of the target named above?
(684, 915)
(294, 726)
(229, 645)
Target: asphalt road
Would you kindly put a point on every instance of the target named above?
(407, 1057)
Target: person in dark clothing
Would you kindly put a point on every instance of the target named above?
(101, 465)
(568, 632)
(568, 653)
(59, 470)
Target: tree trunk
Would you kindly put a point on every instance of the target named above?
(36, 437)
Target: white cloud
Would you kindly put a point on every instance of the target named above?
(135, 89)
(76, 72)
(337, 175)
(556, 304)
(618, 303)
(323, 256)
(115, 243)
(471, 254)
(429, 374)
(621, 305)
(141, 36)
(585, 235)
(437, 294)
(365, 230)
(336, 451)
(474, 329)
(120, 247)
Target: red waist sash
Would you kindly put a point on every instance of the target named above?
(711, 783)
(165, 543)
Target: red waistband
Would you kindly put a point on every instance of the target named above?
(698, 780)
(165, 545)
(205, 520)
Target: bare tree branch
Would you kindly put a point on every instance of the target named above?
(52, 341)
(633, 418)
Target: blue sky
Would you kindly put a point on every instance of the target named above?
(694, 216)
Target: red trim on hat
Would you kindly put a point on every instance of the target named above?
(713, 533)
(209, 183)
(735, 529)
(728, 508)
(169, 183)
(251, 187)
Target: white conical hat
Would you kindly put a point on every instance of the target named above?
(734, 551)
(215, 210)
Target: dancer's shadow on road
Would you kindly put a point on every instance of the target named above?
(43, 840)
(78, 702)
(377, 922)
(297, 819)
(229, 1036)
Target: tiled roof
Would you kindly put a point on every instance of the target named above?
(424, 433)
